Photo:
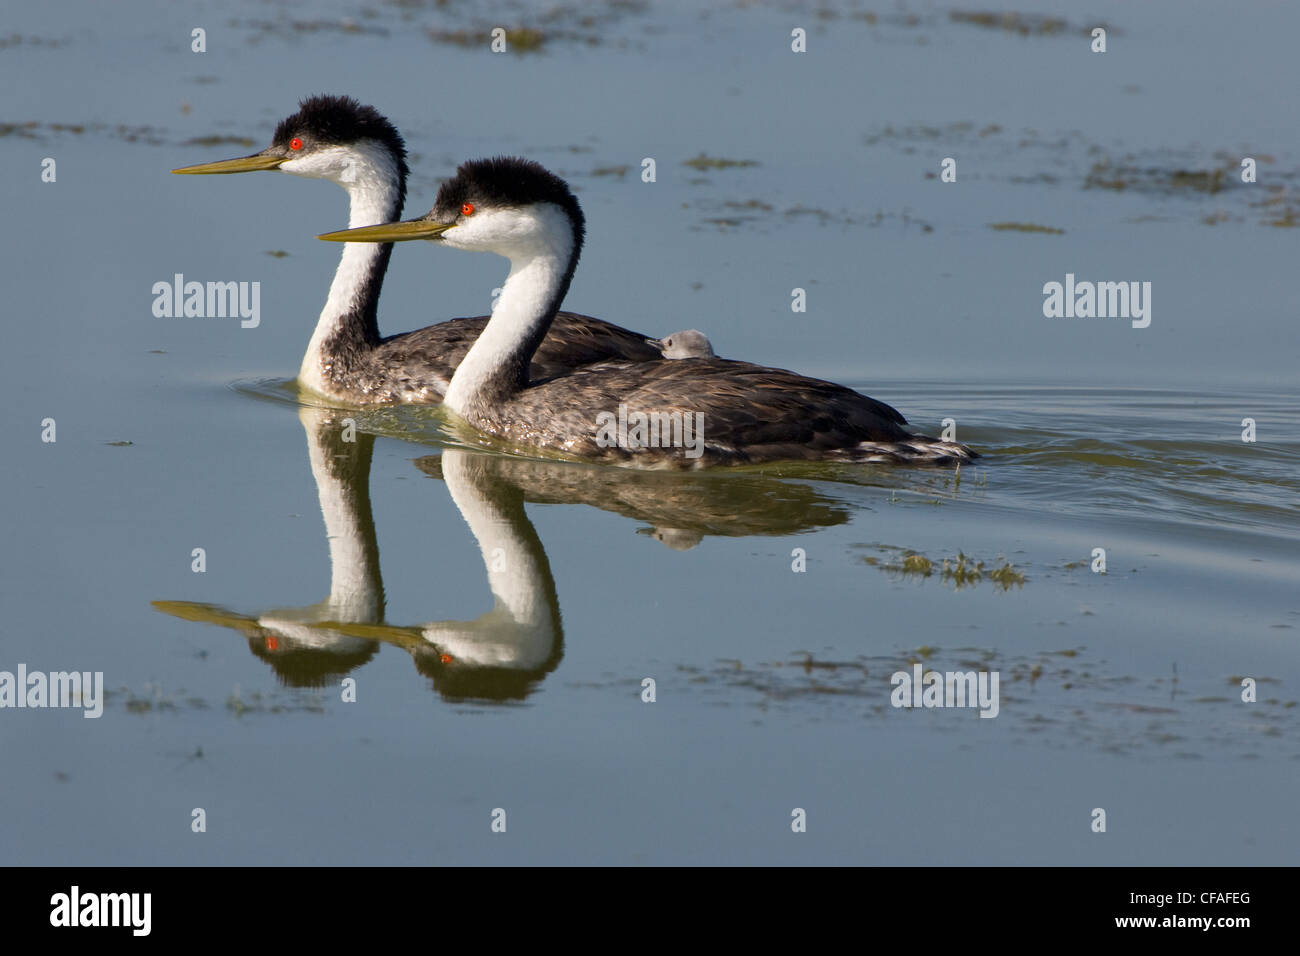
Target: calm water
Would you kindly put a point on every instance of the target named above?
(498, 615)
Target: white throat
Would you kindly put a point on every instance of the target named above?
(538, 241)
(369, 174)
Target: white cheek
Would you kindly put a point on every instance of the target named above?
(347, 166)
(454, 237)
(317, 166)
(505, 231)
(515, 226)
(470, 234)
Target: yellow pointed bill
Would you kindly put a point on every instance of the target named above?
(244, 164)
(390, 232)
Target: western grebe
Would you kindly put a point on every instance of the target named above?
(746, 413)
(336, 138)
(689, 343)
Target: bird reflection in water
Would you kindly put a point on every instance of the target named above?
(505, 654)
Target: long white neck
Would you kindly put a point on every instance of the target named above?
(541, 266)
(377, 190)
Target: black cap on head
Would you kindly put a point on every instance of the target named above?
(339, 121)
(506, 181)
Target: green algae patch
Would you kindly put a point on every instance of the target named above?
(917, 564)
(1119, 177)
(518, 39)
(1026, 227)
(704, 162)
(1021, 23)
(217, 140)
(961, 571)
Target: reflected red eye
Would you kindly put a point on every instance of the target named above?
(467, 209)
(295, 143)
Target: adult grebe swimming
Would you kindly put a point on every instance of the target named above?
(748, 413)
(336, 138)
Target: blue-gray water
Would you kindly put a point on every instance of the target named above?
(1120, 691)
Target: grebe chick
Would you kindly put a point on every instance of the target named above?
(337, 138)
(703, 412)
(689, 343)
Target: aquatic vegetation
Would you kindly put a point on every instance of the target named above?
(287, 27)
(757, 212)
(590, 24)
(25, 130)
(960, 571)
(220, 140)
(1107, 174)
(917, 564)
(1025, 227)
(31, 129)
(18, 129)
(704, 162)
(949, 131)
(963, 572)
(1047, 696)
(518, 39)
(17, 39)
(1024, 24)
(239, 703)
(1072, 156)
(152, 698)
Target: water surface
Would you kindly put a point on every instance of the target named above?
(513, 679)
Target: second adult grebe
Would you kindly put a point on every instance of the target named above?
(336, 138)
(747, 413)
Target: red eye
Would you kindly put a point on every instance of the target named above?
(445, 658)
(467, 209)
(295, 143)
